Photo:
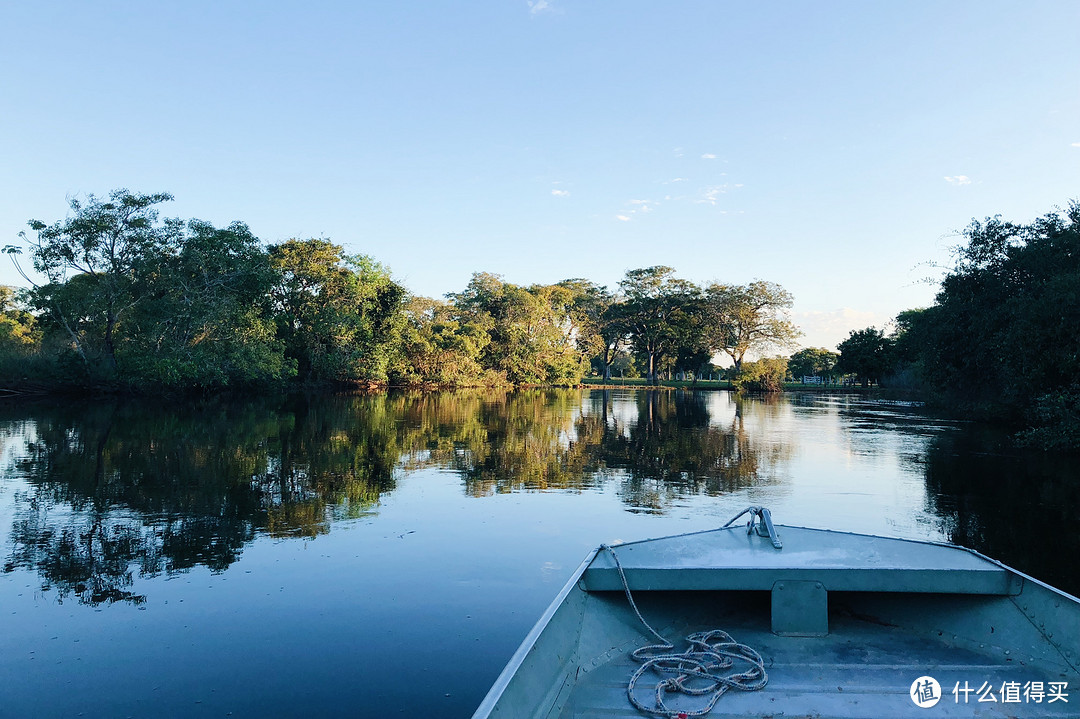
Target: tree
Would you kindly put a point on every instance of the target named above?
(763, 375)
(1000, 341)
(17, 326)
(865, 353)
(208, 321)
(113, 244)
(748, 318)
(534, 331)
(661, 314)
(437, 347)
(339, 316)
(812, 362)
(595, 322)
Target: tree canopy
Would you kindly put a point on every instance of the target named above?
(1000, 341)
(813, 362)
(131, 300)
(865, 354)
(748, 318)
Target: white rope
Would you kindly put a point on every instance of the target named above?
(705, 669)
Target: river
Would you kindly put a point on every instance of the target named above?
(383, 555)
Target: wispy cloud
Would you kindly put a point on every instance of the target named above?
(538, 6)
(677, 179)
(708, 156)
(622, 218)
(1075, 144)
(958, 180)
(711, 194)
(561, 193)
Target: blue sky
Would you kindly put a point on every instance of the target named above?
(834, 148)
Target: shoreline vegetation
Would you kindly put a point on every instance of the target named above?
(124, 302)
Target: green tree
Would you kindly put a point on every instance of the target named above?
(533, 330)
(208, 322)
(812, 362)
(20, 341)
(661, 314)
(340, 316)
(763, 375)
(748, 318)
(1000, 341)
(594, 323)
(865, 353)
(17, 326)
(439, 347)
(110, 246)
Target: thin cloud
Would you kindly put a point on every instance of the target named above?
(958, 180)
(622, 218)
(677, 179)
(708, 156)
(538, 6)
(1075, 144)
(561, 193)
(711, 194)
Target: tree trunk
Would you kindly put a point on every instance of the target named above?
(110, 347)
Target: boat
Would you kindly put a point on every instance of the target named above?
(761, 620)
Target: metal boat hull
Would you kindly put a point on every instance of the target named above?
(862, 619)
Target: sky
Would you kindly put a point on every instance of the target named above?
(835, 148)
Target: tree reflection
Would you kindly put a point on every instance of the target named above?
(115, 490)
(1017, 507)
(659, 446)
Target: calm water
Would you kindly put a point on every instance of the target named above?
(384, 555)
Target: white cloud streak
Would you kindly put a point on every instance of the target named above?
(561, 193)
(958, 180)
(708, 156)
(711, 194)
(538, 6)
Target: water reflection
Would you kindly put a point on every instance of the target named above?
(106, 493)
(1019, 508)
(115, 490)
(674, 446)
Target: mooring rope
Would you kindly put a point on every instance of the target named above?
(705, 665)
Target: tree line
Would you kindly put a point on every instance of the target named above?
(1001, 342)
(130, 300)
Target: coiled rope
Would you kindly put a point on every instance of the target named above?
(704, 669)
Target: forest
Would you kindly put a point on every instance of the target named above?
(122, 300)
(133, 302)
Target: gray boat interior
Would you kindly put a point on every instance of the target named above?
(844, 622)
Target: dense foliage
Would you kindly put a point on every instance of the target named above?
(131, 301)
(1002, 340)
(865, 354)
(813, 362)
